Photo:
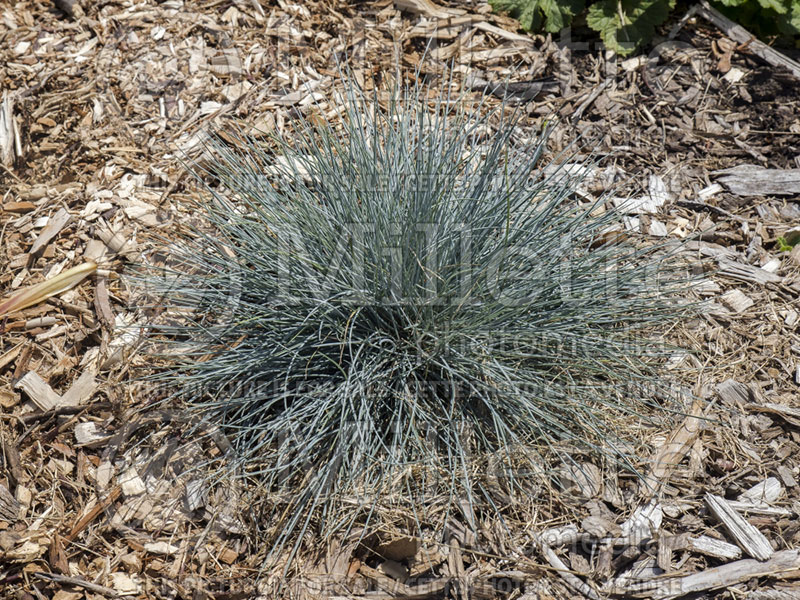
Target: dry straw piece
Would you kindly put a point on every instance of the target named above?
(381, 306)
(44, 290)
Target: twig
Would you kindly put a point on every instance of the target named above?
(61, 411)
(81, 524)
(684, 19)
(746, 39)
(586, 103)
(697, 205)
(564, 572)
(100, 589)
(10, 172)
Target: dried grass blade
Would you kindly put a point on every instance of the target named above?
(42, 291)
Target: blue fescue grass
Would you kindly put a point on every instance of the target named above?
(383, 298)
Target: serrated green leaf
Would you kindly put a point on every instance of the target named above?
(560, 13)
(732, 2)
(531, 19)
(603, 18)
(794, 17)
(776, 5)
(535, 15)
(624, 25)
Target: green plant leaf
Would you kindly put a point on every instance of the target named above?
(793, 21)
(624, 25)
(776, 5)
(732, 2)
(535, 15)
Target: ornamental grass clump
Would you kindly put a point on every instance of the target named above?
(374, 304)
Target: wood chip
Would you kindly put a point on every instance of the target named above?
(734, 393)
(51, 230)
(131, 483)
(56, 556)
(161, 548)
(747, 508)
(81, 390)
(18, 207)
(766, 492)
(38, 390)
(10, 355)
(8, 130)
(86, 433)
(751, 180)
(644, 523)
(749, 273)
(664, 558)
(713, 547)
(102, 304)
(92, 513)
(750, 539)
(9, 506)
(781, 564)
(737, 301)
(786, 476)
(789, 413)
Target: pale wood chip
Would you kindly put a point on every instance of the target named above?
(664, 558)
(8, 130)
(789, 413)
(116, 242)
(786, 475)
(749, 508)
(751, 180)
(737, 301)
(81, 390)
(54, 226)
(160, 548)
(750, 539)
(131, 483)
(766, 492)
(734, 393)
(38, 390)
(749, 273)
(781, 564)
(713, 547)
(644, 523)
(558, 536)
